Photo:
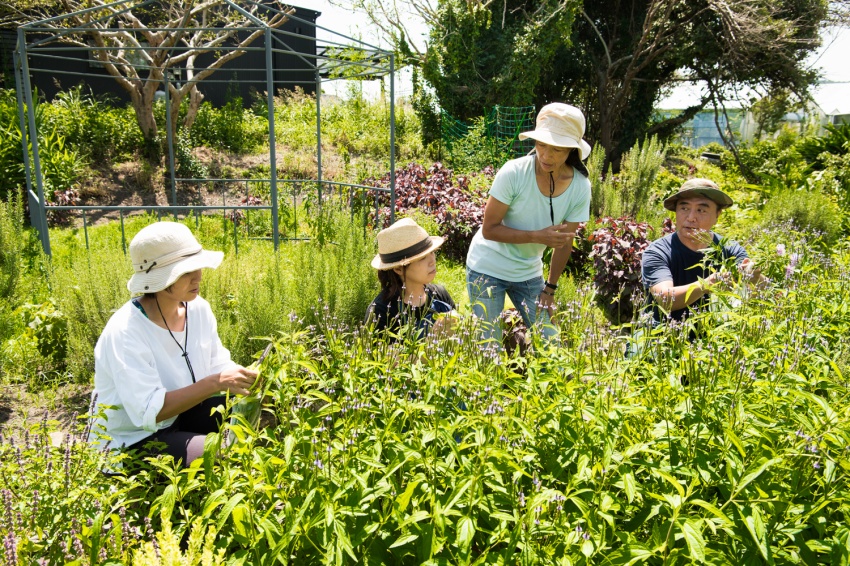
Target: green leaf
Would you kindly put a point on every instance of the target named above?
(751, 517)
(404, 539)
(240, 515)
(711, 509)
(414, 518)
(629, 554)
(694, 539)
(745, 481)
(629, 486)
(166, 501)
(343, 540)
(404, 499)
(228, 509)
(465, 534)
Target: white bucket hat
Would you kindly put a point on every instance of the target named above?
(164, 251)
(560, 125)
(403, 243)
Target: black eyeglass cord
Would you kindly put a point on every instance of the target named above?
(551, 192)
(185, 354)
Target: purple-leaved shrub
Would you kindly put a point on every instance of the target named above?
(455, 204)
(617, 247)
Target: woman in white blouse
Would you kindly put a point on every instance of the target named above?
(160, 366)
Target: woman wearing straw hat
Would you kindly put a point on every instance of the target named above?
(159, 361)
(536, 202)
(406, 266)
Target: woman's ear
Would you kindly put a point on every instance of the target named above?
(399, 270)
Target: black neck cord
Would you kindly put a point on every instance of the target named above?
(551, 192)
(183, 351)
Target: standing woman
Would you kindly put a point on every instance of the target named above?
(407, 265)
(536, 201)
(159, 361)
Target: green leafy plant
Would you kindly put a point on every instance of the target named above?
(807, 210)
(628, 192)
(617, 247)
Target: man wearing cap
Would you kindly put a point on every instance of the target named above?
(673, 268)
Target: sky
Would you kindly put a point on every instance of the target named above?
(831, 58)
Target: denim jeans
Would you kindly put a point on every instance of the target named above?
(487, 296)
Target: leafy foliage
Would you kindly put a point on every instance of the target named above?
(835, 142)
(617, 247)
(439, 451)
(628, 192)
(612, 59)
(60, 164)
(230, 128)
(807, 210)
(59, 506)
(456, 205)
(477, 150)
(96, 128)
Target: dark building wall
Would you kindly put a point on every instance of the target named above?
(7, 48)
(244, 76)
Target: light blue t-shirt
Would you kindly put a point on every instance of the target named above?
(528, 209)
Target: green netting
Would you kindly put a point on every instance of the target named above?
(502, 124)
(451, 129)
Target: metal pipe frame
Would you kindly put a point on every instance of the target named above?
(45, 48)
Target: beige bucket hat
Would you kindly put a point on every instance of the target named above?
(560, 125)
(403, 243)
(164, 251)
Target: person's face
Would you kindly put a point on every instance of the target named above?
(550, 157)
(187, 287)
(695, 217)
(420, 272)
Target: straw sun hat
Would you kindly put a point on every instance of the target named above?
(560, 125)
(164, 251)
(403, 243)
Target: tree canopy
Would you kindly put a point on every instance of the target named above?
(616, 58)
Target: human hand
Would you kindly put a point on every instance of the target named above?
(546, 300)
(237, 380)
(556, 236)
(444, 323)
(723, 279)
(749, 270)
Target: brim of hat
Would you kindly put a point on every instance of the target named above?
(436, 242)
(722, 199)
(558, 141)
(158, 279)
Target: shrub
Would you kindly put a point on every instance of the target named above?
(618, 245)
(835, 142)
(230, 128)
(97, 128)
(452, 200)
(59, 505)
(12, 242)
(478, 149)
(809, 211)
(626, 193)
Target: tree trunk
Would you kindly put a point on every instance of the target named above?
(195, 99)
